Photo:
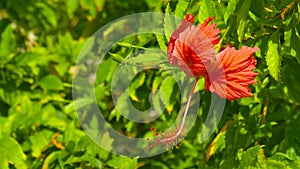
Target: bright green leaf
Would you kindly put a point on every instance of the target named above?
(207, 9)
(181, 8)
(11, 150)
(161, 42)
(273, 57)
(51, 82)
(3, 162)
(122, 162)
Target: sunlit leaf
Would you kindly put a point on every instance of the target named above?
(207, 9)
(273, 56)
(161, 42)
(123, 162)
(181, 7)
(10, 150)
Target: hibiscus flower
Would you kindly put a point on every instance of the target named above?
(228, 73)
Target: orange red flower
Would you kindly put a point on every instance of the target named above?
(228, 73)
(232, 73)
(190, 47)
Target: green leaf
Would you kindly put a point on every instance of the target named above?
(122, 162)
(207, 9)
(3, 162)
(217, 144)
(288, 34)
(40, 141)
(72, 134)
(72, 6)
(8, 45)
(82, 102)
(90, 161)
(5, 125)
(66, 45)
(136, 83)
(51, 118)
(47, 13)
(181, 8)
(161, 42)
(51, 158)
(166, 94)
(155, 5)
(105, 138)
(295, 40)
(25, 113)
(242, 15)
(51, 82)
(291, 80)
(250, 157)
(106, 70)
(157, 102)
(169, 22)
(99, 3)
(274, 164)
(21, 7)
(148, 59)
(273, 57)
(230, 9)
(156, 82)
(282, 160)
(90, 6)
(11, 150)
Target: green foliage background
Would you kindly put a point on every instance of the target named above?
(39, 45)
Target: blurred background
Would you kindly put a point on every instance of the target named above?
(41, 40)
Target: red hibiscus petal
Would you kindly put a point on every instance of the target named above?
(232, 71)
(186, 22)
(211, 31)
(192, 47)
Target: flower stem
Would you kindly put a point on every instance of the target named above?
(179, 131)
